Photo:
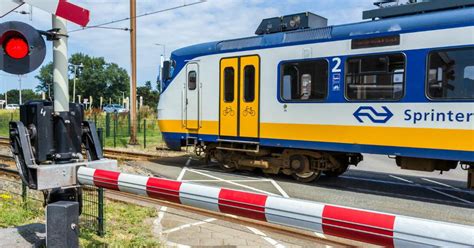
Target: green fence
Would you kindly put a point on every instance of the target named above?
(116, 127)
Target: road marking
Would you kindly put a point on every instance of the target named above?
(402, 184)
(234, 174)
(434, 190)
(189, 225)
(181, 174)
(161, 214)
(188, 162)
(439, 183)
(279, 188)
(215, 180)
(230, 182)
(265, 237)
(401, 179)
(171, 244)
(448, 195)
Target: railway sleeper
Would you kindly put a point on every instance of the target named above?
(304, 165)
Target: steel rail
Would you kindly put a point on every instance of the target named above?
(108, 153)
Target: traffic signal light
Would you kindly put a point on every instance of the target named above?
(22, 48)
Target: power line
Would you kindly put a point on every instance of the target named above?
(138, 16)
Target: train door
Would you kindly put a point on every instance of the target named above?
(229, 76)
(239, 97)
(192, 96)
(249, 97)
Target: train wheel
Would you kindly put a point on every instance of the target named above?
(199, 150)
(337, 172)
(228, 166)
(307, 177)
(301, 169)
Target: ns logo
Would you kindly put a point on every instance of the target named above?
(368, 113)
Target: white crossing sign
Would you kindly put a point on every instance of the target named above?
(61, 8)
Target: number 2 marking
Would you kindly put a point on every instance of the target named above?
(337, 67)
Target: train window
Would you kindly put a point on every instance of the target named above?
(379, 77)
(451, 74)
(249, 83)
(229, 84)
(304, 80)
(192, 80)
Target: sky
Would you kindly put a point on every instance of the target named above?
(212, 20)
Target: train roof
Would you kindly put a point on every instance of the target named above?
(404, 24)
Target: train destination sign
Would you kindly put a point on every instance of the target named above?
(391, 40)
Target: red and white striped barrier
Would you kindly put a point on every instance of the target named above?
(62, 8)
(356, 224)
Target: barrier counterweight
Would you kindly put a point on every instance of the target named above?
(356, 224)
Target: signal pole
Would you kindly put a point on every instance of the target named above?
(60, 78)
(133, 79)
(20, 101)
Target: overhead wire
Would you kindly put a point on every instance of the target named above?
(135, 17)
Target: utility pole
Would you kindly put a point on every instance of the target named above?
(133, 79)
(75, 68)
(20, 101)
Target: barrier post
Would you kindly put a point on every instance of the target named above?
(107, 125)
(115, 131)
(139, 122)
(144, 133)
(24, 195)
(100, 133)
(100, 211)
(129, 124)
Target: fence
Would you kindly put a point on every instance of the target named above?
(116, 127)
(93, 205)
(93, 217)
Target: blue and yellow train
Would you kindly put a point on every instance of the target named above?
(303, 98)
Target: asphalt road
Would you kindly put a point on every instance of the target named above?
(376, 184)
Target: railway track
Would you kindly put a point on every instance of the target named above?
(7, 160)
(108, 153)
(4, 141)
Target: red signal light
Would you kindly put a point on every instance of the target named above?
(16, 47)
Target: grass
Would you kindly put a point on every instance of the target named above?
(14, 213)
(127, 225)
(5, 117)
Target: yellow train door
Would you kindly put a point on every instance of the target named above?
(249, 97)
(239, 111)
(229, 78)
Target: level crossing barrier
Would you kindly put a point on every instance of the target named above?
(356, 224)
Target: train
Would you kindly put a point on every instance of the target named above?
(305, 99)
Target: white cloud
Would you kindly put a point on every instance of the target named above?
(209, 21)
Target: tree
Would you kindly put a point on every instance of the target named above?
(45, 77)
(26, 95)
(150, 96)
(98, 79)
